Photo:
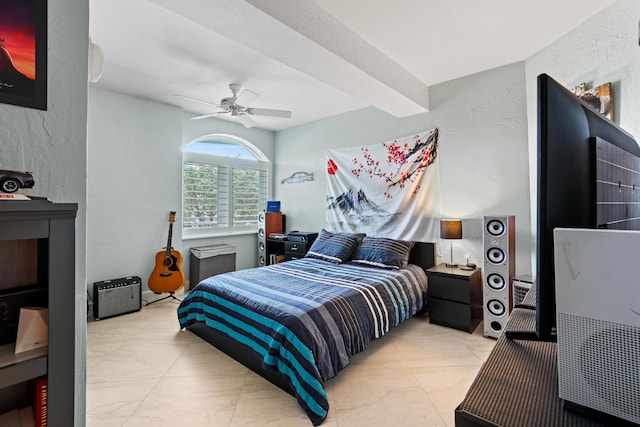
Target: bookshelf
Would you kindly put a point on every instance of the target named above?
(37, 254)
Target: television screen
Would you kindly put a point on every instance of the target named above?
(569, 194)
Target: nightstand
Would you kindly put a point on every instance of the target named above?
(295, 250)
(455, 297)
(299, 243)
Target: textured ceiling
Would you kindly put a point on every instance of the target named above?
(316, 58)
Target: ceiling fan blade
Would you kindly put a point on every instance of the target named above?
(246, 97)
(208, 115)
(246, 120)
(269, 112)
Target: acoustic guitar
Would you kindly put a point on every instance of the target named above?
(167, 275)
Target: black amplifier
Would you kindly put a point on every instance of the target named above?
(117, 296)
(302, 236)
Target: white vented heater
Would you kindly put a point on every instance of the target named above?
(521, 285)
(598, 320)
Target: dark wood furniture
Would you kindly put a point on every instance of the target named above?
(422, 254)
(295, 250)
(274, 223)
(455, 297)
(298, 244)
(291, 249)
(275, 248)
(43, 234)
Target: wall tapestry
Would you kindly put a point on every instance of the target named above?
(388, 189)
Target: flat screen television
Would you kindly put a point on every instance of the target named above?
(570, 192)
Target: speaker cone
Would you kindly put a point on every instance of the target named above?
(496, 326)
(495, 227)
(261, 217)
(496, 308)
(261, 260)
(261, 246)
(496, 255)
(496, 282)
(261, 232)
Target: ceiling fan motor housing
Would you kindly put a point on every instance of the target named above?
(227, 102)
(235, 88)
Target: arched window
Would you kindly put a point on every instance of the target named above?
(224, 186)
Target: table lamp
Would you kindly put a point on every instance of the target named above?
(451, 229)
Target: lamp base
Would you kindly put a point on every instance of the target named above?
(450, 265)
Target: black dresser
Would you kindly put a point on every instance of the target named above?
(455, 297)
(298, 244)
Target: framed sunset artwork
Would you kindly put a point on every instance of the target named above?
(23, 53)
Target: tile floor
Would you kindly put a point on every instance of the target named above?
(143, 371)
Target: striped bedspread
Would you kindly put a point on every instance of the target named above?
(307, 317)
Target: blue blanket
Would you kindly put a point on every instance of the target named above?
(307, 317)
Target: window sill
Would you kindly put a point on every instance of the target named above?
(219, 234)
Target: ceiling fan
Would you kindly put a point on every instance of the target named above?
(238, 106)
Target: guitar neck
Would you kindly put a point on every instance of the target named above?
(172, 219)
(169, 239)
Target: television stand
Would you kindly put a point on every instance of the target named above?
(518, 385)
(521, 325)
(521, 335)
(522, 322)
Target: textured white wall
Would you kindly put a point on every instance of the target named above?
(52, 144)
(135, 179)
(483, 156)
(603, 49)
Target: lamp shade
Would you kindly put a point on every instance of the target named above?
(451, 229)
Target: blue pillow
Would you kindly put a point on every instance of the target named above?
(358, 236)
(383, 252)
(332, 247)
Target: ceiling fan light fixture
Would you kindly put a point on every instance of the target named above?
(96, 62)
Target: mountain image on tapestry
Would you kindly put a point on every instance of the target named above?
(358, 208)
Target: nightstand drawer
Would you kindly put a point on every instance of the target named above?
(453, 314)
(295, 248)
(450, 288)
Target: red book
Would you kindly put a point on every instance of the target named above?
(40, 401)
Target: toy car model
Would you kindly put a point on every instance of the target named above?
(12, 181)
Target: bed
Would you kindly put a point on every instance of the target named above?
(298, 323)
